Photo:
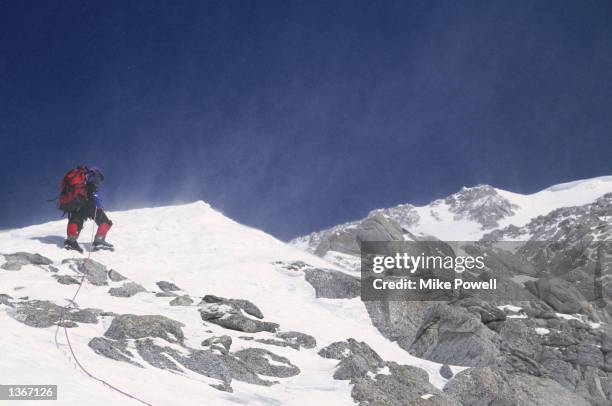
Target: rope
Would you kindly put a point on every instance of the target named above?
(63, 324)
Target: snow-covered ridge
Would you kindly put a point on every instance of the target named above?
(475, 211)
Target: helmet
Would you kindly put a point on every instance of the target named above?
(95, 175)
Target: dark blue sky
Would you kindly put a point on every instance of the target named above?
(293, 116)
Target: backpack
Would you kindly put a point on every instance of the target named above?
(73, 191)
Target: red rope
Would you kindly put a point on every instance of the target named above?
(63, 324)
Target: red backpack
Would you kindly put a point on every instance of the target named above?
(73, 191)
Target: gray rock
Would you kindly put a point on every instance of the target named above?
(133, 326)
(66, 280)
(128, 289)
(293, 339)
(241, 371)
(332, 284)
(157, 355)
(247, 306)
(113, 349)
(6, 299)
(218, 366)
(42, 314)
(166, 294)
(297, 340)
(167, 286)
(453, 335)
(562, 295)
(225, 341)
(402, 385)
(229, 315)
(446, 372)
(482, 204)
(241, 323)
(538, 391)
(481, 386)
(184, 300)
(258, 359)
(486, 311)
(94, 272)
(115, 276)
(589, 355)
(15, 261)
(378, 227)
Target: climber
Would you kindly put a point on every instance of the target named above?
(79, 198)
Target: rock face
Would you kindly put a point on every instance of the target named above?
(453, 335)
(15, 261)
(377, 382)
(332, 284)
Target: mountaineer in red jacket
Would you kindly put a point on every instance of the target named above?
(80, 199)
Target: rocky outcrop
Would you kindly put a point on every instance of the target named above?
(95, 273)
(482, 204)
(128, 289)
(113, 349)
(147, 333)
(454, 336)
(42, 314)
(376, 228)
(222, 343)
(267, 363)
(377, 382)
(135, 326)
(293, 339)
(228, 313)
(167, 286)
(183, 300)
(15, 261)
(332, 284)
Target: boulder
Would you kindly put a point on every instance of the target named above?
(229, 315)
(15, 261)
(115, 276)
(128, 289)
(95, 273)
(183, 300)
(134, 326)
(332, 284)
(167, 286)
(446, 372)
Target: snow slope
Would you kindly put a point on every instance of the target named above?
(202, 252)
